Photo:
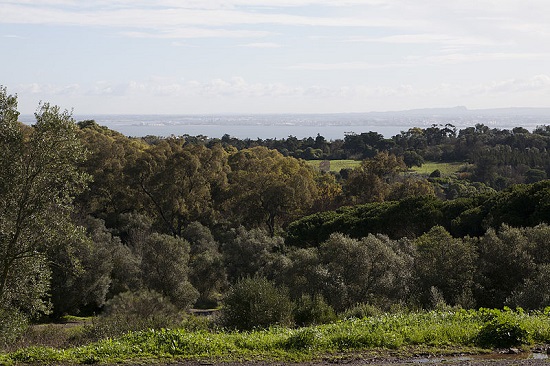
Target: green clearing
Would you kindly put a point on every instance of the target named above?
(445, 168)
(427, 168)
(335, 165)
(402, 334)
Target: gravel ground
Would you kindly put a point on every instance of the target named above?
(524, 359)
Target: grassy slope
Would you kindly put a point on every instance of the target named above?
(445, 168)
(435, 332)
(336, 165)
(426, 169)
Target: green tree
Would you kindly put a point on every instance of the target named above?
(81, 271)
(165, 269)
(39, 177)
(255, 302)
(181, 183)
(268, 188)
(446, 266)
(248, 252)
(110, 157)
(372, 180)
(506, 260)
(206, 267)
(374, 270)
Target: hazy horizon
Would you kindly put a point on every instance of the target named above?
(275, 56)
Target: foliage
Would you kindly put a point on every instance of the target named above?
(371, 181)
(165, 269)
(268, 188)
(133, 311)
(255, 302)
(374, 269)
(313, 310)
(206, 267)
(501, 329)
(247, 252)
(505, 260)
(81, 272)
(12, 325)
(39, 177)
(447, 264)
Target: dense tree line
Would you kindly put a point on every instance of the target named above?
(499, 157)
(89, 216)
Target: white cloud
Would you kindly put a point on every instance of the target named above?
(261, 45)
(166, 18)
(49, 89)
(456, 58)
(352, 65)
(537, 83)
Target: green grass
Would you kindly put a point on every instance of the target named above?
(427, 168)
(446, 169)
(436, 331)
(336, 165)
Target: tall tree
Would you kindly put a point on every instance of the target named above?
(39, 176)
(270, 188)
(181, 182)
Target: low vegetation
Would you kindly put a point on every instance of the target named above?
(446, 330)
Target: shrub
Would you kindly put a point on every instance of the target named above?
(501, 330)
(12, 325)
(313, 310)
(132, 311)
(302, 339)
(255, 302)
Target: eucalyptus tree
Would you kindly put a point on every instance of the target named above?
(269, 188)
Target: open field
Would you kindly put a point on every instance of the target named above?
(387, 335)
(336, 165)
(426, 168)
(445, 168)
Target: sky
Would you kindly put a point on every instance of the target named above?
(274, 56)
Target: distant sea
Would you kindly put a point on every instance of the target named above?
(331, 126)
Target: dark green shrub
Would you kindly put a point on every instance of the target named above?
(313, 310)
(501, 330)
(255, 302)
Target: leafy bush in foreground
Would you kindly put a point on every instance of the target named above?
(255, 302)
(501, 329)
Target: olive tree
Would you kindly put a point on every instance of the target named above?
(39, 177)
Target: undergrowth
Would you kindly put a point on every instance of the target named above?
(451, 329)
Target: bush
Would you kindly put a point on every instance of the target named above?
(501, 330)
(255, 302)
(302, 339)
(311, 311)
(12, 325)
(133, 311)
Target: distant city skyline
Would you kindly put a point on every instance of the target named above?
(274, 56)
